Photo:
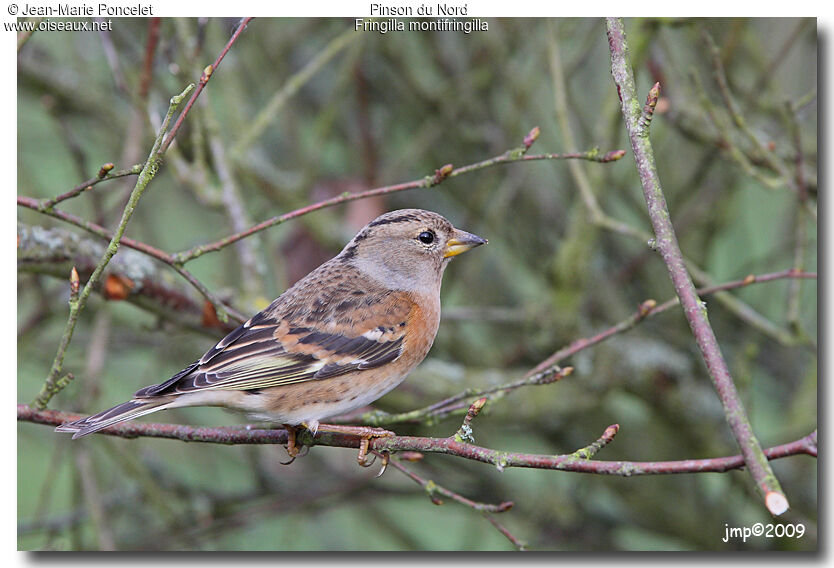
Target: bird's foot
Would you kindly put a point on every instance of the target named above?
(292, 449)
(365, 433)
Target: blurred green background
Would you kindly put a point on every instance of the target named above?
(304, 109)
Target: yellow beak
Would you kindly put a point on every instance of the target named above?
(462, 241)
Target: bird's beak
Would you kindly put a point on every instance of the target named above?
(462, 241)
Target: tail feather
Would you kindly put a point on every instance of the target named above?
(125, 411)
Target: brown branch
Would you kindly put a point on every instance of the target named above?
(440, 175)
(500, 459)
(433, 489)
(103, 175)
(650, 308)
(150, 54)
(486, 509)
(204, 79)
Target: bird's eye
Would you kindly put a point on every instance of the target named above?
(426, 237)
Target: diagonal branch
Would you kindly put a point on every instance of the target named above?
(651, 308)
(486, 509)
(667, 244)
(204, 79)
(54, 383)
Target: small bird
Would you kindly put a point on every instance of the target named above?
(340, 338)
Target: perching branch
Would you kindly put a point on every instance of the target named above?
(500, 459)
(667, 245)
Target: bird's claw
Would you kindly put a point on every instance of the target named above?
(385, 457)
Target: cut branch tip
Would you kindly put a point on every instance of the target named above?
(776, 502)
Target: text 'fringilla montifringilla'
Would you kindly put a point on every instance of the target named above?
(340, 338)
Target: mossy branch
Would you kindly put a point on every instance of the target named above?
(53, 384)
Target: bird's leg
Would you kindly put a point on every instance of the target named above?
(292, 449)
(365, 434)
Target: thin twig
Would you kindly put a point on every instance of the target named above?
(548, 371)
(650, 308)
(24, 36)
(440, 175)
(800, 228)
(458, 402)
(591, 450)
(204, 79)
(47, 204)
(486, 509)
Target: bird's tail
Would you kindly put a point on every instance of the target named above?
(125, 411)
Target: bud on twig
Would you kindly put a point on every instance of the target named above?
(442, 173)
(75, 284)
(612, 156)
(210, 318)
(646, 308)
(648, 110)
(105, 169)
(207, 74)
(531, 137)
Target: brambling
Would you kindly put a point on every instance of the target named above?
(340, 338)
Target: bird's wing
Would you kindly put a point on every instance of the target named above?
(269, 351)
